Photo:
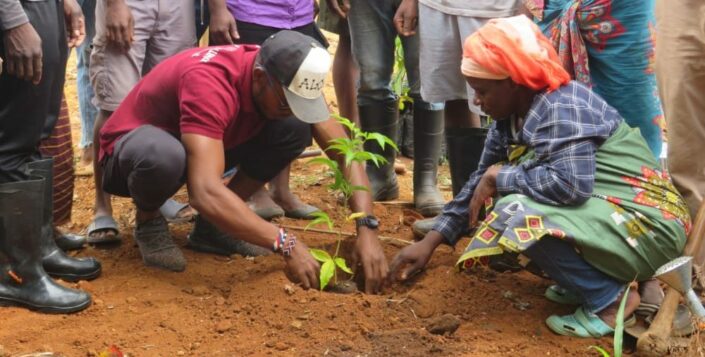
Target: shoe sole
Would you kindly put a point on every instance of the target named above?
(205, 248)
(44, 309)
(72, 278)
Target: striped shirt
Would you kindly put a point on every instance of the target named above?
(564, 128)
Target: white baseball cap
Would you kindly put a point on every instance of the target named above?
(301, 65)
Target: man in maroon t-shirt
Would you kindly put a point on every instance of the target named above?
(207, 110)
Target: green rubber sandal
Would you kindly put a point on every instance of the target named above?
(583, 324)
(560, 295)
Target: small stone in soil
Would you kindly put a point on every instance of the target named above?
(281, 346)
(289, 289)
(296, 324)
(223, 326)
(343, 287)
(445, 324)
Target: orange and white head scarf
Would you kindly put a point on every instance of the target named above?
(515, 48)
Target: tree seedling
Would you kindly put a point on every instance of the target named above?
(350, 148)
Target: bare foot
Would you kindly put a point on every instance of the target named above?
(87, 155)
(609, 314)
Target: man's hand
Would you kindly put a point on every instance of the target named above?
(23, 53)
(369, 253)
(406, 18)
(75, 23)
(410, 260)
(341, 7)
(301, 267)
(486, 188)
(223, 28)
(120, 25)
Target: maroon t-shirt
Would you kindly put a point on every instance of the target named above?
(205, 91)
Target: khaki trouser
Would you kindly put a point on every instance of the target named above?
(680, 70)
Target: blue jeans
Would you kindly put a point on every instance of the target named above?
(85, 90)
(373, 34)
(559, 260)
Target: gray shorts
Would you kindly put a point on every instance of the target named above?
(441, 51)
(162, 28)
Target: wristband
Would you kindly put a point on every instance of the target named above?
(288, 245)
(279, 241)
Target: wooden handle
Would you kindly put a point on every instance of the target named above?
(656, 340)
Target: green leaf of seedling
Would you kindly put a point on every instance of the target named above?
(320, 217)
(359, 188)
(382, 140)
(340, 262)
(601, 350)
(324, 161)
(619, 328)
(340, 148)
(320, 255)
(349, 156)
(345, 122)
(327, 271)
(378, 159)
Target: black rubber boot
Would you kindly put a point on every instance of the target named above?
(55, 261)
(207, 238)
(428, 136)
(382, 118)
(23, 281)
(464, 147)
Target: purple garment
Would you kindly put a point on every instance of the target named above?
(281, 14)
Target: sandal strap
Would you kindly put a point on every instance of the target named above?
(592, 323)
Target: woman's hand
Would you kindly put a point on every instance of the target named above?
(486, 188)
(413, 258)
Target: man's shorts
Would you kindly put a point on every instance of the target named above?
(162, 28)
(441, 51)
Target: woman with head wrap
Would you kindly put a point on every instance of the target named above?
(609, 46)
(566, 183)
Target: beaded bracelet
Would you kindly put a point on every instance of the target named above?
(279, 242)
(288, 245)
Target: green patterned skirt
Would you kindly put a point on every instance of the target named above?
(634, 222)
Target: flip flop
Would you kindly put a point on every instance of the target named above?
(560, 295)
(303, 212)
(171, 209)
(103, 223)
(583, 324)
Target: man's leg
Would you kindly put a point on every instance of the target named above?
(345, 76)
(680, 68)
(279, 200)
(149, 165)
(373, 36)
(113, 73)
(83, 83)
(25, 109)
